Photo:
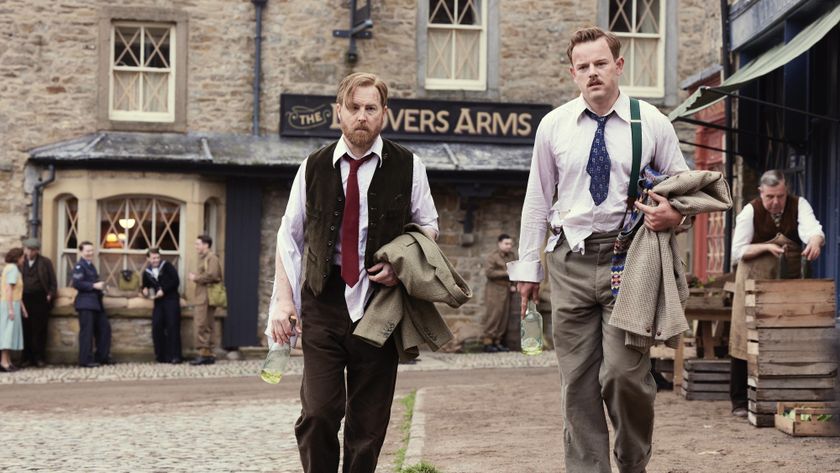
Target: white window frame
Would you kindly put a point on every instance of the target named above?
(63, 251)
(432, 83)
(626, 39)
(140, 116)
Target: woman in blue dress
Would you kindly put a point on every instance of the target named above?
(11, 309)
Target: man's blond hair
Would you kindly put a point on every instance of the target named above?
(593, 33)
(355, 80)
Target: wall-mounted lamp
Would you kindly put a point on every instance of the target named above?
(127, 223)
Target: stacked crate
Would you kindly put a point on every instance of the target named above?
(705, 380)
(790, 352)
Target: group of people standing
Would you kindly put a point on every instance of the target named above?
(29, 290)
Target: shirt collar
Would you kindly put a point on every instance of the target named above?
(341, 148)
(621, 107)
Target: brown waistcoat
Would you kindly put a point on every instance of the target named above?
(765, 229)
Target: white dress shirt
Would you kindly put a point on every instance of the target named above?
(807, 227)
(290, 236)
(561, 152)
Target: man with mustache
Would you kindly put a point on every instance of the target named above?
(583, 153)
(348, 199)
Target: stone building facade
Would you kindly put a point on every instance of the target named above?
(57, 112)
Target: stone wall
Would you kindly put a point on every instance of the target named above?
(48, 90)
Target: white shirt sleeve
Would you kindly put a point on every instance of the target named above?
(743, 234)
(290, 234)
(423, 211)
(808, 226)
(667, 157)
(542, 181)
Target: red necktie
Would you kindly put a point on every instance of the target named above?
(350, 224)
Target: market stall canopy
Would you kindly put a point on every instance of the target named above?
(767, 62)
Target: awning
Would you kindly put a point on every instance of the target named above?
(771, 60)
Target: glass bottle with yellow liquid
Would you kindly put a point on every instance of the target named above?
(531, 331)
(275, 362)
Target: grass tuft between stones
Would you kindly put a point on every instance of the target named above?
(405, 428)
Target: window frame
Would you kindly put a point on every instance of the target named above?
(432, 83)
(175, 119)
(172, 72)
(659, 90)
(67, 256)
(125, 253)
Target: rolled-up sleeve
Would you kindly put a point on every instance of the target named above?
(808, 225)
(423, 211)
(743, 234)
(542, 181)
(290, 234)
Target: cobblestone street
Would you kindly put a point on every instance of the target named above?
(218, 418)
(474, 413)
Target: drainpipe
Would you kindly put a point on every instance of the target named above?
(259, 4)
(730, 145)
(34, 215)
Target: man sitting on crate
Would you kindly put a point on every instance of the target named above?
(767, 244)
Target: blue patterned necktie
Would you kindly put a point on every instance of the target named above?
(598, 166)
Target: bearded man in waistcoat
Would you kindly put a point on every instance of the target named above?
(773, 234)
(347, 200)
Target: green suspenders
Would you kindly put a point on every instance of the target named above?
(636, 132)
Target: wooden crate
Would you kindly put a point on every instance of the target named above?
(761, 420)
(792, 383)
(703, 396)
(789, 303)
(808, 428)
(785, 368)
(706, 298)
(705, 380)
(790, 394)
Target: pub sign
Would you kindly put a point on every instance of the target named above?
(421, 120)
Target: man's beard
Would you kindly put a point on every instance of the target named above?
(360, 137)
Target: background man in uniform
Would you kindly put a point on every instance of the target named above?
(160, 281)
(348, 199)
(497, 295)
(209, 272)
(39, 292)
(93, 322)
(582, 151)
(775, 223)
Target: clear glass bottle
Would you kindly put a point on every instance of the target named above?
(531, 331)
(275, 362)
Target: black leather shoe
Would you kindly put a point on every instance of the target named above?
(90, 365)
(502, 348)
(490, 349)
(203, 360)
(176, 361)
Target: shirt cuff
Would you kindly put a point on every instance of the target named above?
(525, 271)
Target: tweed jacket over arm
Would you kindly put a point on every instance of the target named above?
(651, 304)
(426, 277)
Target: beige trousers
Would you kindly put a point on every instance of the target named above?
(596, 369)
(203, 316)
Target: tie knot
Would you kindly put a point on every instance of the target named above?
(355, 163)
(599, 119)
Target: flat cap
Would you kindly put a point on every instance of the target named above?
(33, 243)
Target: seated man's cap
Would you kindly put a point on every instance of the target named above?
(33, 243)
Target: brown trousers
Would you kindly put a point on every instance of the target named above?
(329, 347)
(203, 318)
(596, 368)
(496, 310)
